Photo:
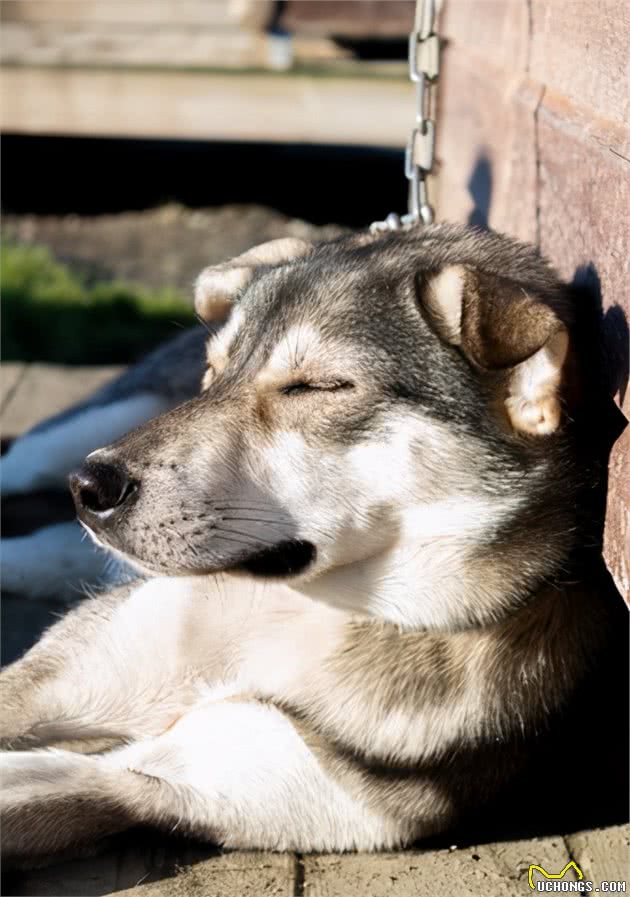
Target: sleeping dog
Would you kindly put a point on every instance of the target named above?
(361, 589)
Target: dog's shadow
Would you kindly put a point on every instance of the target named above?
(612, 326)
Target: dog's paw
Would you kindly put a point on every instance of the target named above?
(52, 800)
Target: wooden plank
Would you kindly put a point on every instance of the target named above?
(487, 147)
(200, 105)
(356, 18)
(153, 12)
(494, 32)
(617, 531)
(46, 389)
(580, 50)
(584, 196)
(602, 854)
(172, 46)
(498, 869)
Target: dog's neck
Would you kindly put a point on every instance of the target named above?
(467, 574)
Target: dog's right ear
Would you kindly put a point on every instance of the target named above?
(518, 337)
(218, 286)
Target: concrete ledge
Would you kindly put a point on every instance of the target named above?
(200, 105)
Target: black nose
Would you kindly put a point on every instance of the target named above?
(99, 487)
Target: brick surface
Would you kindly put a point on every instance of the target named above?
(602, 854)
(226, 875)
(497, 869)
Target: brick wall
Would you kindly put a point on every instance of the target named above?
(534, 140)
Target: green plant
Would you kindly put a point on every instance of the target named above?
(50, 313)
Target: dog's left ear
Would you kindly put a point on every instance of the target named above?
(501, 327)
(218, 286)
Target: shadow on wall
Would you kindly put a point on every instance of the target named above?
(480, 188)
(614, 333)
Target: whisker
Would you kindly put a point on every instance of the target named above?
(254, 539)
(256, 520)
(247, 508)
(237, 502)
(204, 324)
(247, 543)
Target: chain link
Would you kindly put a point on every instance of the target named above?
(424, 70)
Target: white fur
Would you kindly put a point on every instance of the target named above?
(533, 403)
(237, 772)
(382, 549)
(208, 759)
(419, 580)
(44, 459)
(215, 287)
(249, 779)
(445, 296)
(218, 347)
(218, 285)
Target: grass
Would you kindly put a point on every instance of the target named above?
(51, 313)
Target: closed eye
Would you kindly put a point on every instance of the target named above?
(303, 386)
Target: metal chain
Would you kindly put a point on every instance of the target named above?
(424, 69)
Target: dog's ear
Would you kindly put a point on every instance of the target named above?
(218, 286)
(502, 327)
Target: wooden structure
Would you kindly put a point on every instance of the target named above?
(190, 69)
(534, 135)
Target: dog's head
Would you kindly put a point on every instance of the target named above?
(381, 421)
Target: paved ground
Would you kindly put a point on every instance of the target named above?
(149, 865)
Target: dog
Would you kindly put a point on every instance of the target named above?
(360, 554)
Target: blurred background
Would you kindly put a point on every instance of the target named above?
(147, 139)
